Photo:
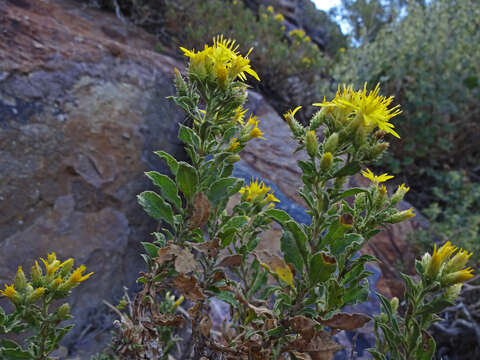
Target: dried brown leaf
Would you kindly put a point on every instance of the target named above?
(201, 211)
(304, 326)
(205, 325)
(209, 248)
(188, 286)
(184, 261)
(169, 320)
(344, 321)
(231, 261)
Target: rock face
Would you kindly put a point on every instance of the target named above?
(82, 107)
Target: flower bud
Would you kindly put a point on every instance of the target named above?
(399, 194)
(360, 201)
(457, 277)
(180, 83)
(67, 267)
(37, 275)
(326, 162)
(318, 119)
(20, 279)
(232, 159)
(378, 149)
(63, 311)
(331, 143)
(36, 295)
(359, 137)
(394, 304)
(311, 143)
(382, 196)
(452, 292)
(402, 216)
(295, 127)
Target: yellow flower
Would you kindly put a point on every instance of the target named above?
(402, 216)
(257, 192)
(376, 178)
(51, 264)
(291, 113)
(458, 261)
(270, 9)
(371, 108)
(36, 295)
(254, 131)
(457, 277)
(9, 291)
(177, 303)
(300, 33)
(233, 145)
(279, 17)
(222, 61)
(78, 277)
(439, 257)
(271, 198)
(240, 114)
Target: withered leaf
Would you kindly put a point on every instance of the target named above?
(164, 254)
(319, 347)
(275, 264)
(188, 286)
(261, 310)
(184, 261)
(344, 321)
(304, 326)
(169, 320)
(205, 325)
(201, 211)
(231, 261)
(209, 248)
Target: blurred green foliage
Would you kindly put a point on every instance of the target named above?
(430, 60)
(454, 216)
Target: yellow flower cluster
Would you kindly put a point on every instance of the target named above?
(58, 278)
(441, 266)
(258, 192)
(376, 178)
(370, 108)
(221, 62)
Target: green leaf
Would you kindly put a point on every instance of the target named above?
(155, 206)
(377, 355)
(187, 179)
(350, 192)
(427, 349)
(298, 234)
(188, 136)
(223, 189)
(349, 169)
(167, 186)
(235, 222)
(171, 162)
(160, 239)
(291, 251)
(151, 249)
(437, 305)
(9, 344)
(322, 267)
(278, 215)
(227, 297)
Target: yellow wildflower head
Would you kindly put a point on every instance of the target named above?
(439, 257)
(457, 277)
(240, 114)
(221, 62)
(372, 108)
(77, 276)
(299, 33)
(256, 191)
(252, 126)
(36, 295)
(9, 291)
(376, 178)
(458, 261)
(234, 144)
(270, 9)
(279, 17)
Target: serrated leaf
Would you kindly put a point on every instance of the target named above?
(349, 169)
(278, 215)
(150, 248)
(171, 162)
(167, 187)
(155, 206)
(291, 251)
(227, 297)
(187, 179)
(223, 189)
(322, 267)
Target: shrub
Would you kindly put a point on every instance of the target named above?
(284, 306)
(430, 60)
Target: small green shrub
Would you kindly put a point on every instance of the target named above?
(454, 215)
(430, 60)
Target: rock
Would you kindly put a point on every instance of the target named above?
(82, 108)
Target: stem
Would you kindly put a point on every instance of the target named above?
(44, 331)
